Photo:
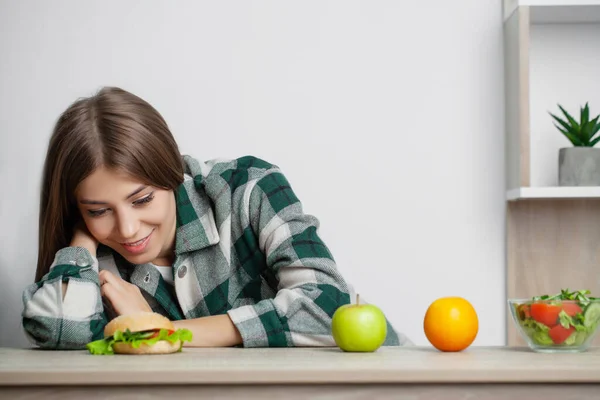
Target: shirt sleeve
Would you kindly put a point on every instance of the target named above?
(309, 286)
(51, 322)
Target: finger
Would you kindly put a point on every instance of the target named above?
(109, 309)
(111, 295)
(108, 277)
(109, 299)
(108, 291)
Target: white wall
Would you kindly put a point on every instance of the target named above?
(396, 107)
(564, 65)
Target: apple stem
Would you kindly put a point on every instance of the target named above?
(357, 299)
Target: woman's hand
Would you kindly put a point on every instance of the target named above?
(124, 297)
(83, 238)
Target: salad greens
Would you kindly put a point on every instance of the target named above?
(581, 296)
(136, 339)
(565, 319)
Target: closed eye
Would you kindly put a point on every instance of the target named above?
(141, 202)
(97, 213)
(144, 200)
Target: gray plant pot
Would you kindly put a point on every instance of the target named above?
(579, 166)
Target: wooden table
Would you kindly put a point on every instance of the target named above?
(403, 373)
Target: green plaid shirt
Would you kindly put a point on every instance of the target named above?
(243, 247)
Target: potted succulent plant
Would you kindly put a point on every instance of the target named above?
(579, 165)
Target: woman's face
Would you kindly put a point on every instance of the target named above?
(136, 220)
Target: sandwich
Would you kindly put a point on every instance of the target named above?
(140, 333)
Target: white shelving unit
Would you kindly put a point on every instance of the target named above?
(523, 145)
(553, 12)
(553, 233)
(525, 193)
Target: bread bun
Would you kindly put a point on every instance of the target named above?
(138, 322)
(161, 347)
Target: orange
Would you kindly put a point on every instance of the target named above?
(451, 324)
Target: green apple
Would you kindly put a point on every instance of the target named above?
(359, 327)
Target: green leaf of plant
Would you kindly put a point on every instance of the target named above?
(563, 123)
(594, 126)
(585, 114)
(586, 134)
(572, 121)
(572, 138)
(593, 142)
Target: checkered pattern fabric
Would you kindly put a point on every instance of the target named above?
(243, 247)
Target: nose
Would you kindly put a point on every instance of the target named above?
(128, 225)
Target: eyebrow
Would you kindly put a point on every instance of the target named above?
(136, 191)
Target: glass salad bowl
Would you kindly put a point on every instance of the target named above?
(564, 323)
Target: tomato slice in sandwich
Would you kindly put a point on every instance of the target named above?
(155, 334)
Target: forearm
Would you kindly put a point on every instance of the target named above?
(213, 331)
(69, 322)
(79, 240)
(92, 251)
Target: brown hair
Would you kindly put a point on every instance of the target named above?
(115, 129)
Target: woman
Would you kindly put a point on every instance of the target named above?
(127, 224)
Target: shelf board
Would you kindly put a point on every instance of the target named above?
(558, 11)
(562, 192)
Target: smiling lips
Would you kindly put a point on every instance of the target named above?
(139, 246)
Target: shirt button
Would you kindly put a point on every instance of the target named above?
(182, 271)
(81, 263)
